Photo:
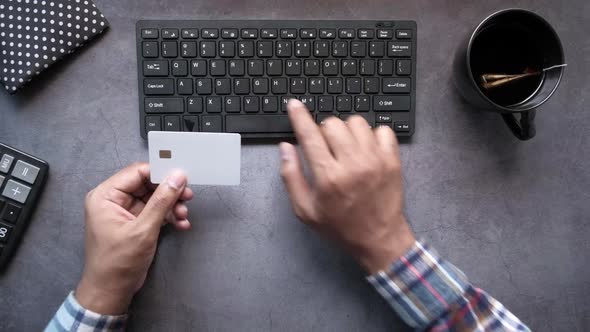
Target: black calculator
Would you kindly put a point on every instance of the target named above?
(22, 178)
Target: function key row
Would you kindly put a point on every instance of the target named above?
(253, 33)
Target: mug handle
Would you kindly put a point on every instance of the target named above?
(523, 129)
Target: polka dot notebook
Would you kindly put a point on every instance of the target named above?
(34, 34)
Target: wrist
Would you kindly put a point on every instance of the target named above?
(100, 300)
(382, 253)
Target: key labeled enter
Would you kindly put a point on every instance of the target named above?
(396, 85)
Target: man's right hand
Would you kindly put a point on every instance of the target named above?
(356, 196)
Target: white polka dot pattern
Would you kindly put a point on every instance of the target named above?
(34, 34)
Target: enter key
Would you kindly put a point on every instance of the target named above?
(396, 85)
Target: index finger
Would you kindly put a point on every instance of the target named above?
(314, 146)
(133, 180)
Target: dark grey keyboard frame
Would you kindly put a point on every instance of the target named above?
(405, 117)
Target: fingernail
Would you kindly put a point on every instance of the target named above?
(285, 153)
(294, 103)
(176, 180)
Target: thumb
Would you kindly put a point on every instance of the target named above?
(297, 186)
(163, 199)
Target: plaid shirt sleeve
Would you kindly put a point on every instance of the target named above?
(71, 316)
(432, 294)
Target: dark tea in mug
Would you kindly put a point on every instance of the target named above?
(507, 48)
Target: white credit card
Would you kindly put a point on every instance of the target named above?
(205, 158)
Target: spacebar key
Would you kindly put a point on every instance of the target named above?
(257, 124)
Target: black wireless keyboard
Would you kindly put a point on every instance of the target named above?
(22, 178)
(237, 76)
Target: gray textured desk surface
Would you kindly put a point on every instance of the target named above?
(513, 215)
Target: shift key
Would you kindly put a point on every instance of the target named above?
(158, 86)
(164, 105)
(391, 103)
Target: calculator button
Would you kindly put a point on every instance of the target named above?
(4, 233)
(1, 181)
(25, 171)
(11, 213)
(16, 191)
(5, 163)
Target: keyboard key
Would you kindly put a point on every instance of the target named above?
(158, 86)
(209, 33)
(194, 104)
(258, 124)
(16, 191)
(330, 67)
(188, 49)
(399, 49)
(283, 49)
(345, 117)
(149, 33)
(213, 104)
(376, 49)
(241, 86)
(229, 33)
(362, 103)
(264, 49)
(307, 33)
(5, 163)
(316, 85)
(270, 105)
(255, 67)
(217, 68)
(321, 49)
(297, 86)
(274, 67)
(293, 67)
(227, 49)
(204, 86)
(236, 68)
(367, 67)
(246, 49)
(371, 85)
(1, 182)
(207, 49)
(190, 123)
(288, 33)
(152, 122)
(11, 213)
(302, 49)
(5, 232)
(312, 67)
(268, 33)
(211, 123)
(391, 103)
(346, 33)
(279, 86)
(190, 33)
(353, 85)
(251, 104)
(340, 49)
(403, 67)
(172, 123)
(344, 103)
(383, 117)
(170, 33)
(179, 68)
(25, 171)
(223, 86)
(357, 49)
(396, 85)
(184, 86)
(384, 33)
(260, 86)
(401, 126)
(150, 49)
(327, 33)
(385, 67)
(198, 67)
(164, 105)
(403, 34)
(169, 49)
(249, 33)
(232, 104)
(325, 103)
(309, 102)
(334, 85)
(366, 33)
(155, 68)
(349, 67)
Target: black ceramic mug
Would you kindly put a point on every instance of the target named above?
(510, 42)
